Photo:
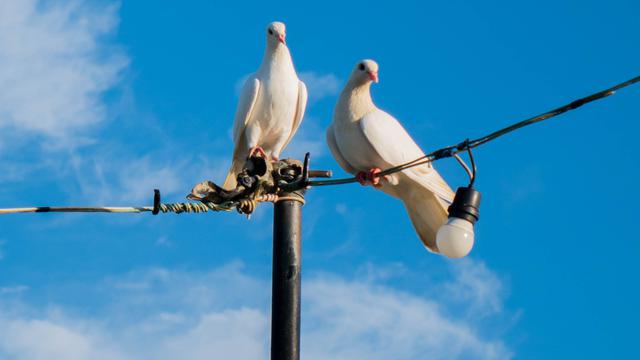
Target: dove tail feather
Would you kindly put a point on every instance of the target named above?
(230, 182)
(427, 211)
(240, 152)
(427, 216)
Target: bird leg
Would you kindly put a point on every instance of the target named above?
(361, 176)
(371, 177)
(259, 150)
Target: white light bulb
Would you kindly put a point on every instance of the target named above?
(455, 238)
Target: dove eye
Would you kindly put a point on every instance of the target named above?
(270, 32)
(361, 67)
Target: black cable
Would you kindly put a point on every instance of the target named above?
(466, 145)
(474, 169)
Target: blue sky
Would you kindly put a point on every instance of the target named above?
(103, 101)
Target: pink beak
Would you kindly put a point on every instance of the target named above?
(281, 38)
(373, 76)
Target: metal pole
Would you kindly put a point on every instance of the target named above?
(285, 303)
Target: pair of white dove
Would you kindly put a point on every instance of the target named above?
(363, 139)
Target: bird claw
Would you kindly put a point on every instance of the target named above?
(259, 150)
(362, 178)
(371, 177)
(374, 178)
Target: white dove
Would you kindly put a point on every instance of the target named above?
(364, 139)
(270, 108)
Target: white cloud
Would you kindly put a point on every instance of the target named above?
(55, 65)
(53, 339)
(131, 180)
(163, 241)
(320, 86)
(223, 313)
(309, 138)
(57, 62)
(237, 334)
(476, 287)
(374, 322)
(17, 289)
(120, 178)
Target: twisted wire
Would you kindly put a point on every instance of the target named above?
(196, 207)
(244, 206)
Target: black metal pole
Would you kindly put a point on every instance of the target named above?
(285, 291)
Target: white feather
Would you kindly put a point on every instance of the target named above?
(362, 137)
(271, 106)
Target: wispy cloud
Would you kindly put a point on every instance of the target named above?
(368, 321)
(320, 86)
(309, 138)
(56, 63)
(122, 178)
(169, 314)
(126, 181)
(476, 288)
(16, 289)
(53, 339)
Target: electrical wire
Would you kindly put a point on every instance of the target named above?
(246, 206)
(164, 208)
(243, 206)
(466, 145)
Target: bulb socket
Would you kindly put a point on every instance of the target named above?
(466, 204)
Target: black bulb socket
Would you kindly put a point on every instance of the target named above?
(466, 204)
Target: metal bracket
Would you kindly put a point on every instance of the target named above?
(156, 202)
(259, 177)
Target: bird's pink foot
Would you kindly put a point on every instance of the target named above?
(259, 150)
(373, 177)
(370, 177)
(274, 158)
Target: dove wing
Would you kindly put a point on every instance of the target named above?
(395, 146)
(335, 150)
(246, 105)
(300, 107)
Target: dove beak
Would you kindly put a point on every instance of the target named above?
(281, 38)
(373, 75)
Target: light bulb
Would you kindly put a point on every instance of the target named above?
(455, 238)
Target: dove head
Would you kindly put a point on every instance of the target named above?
(365, 72)
(276, 33)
